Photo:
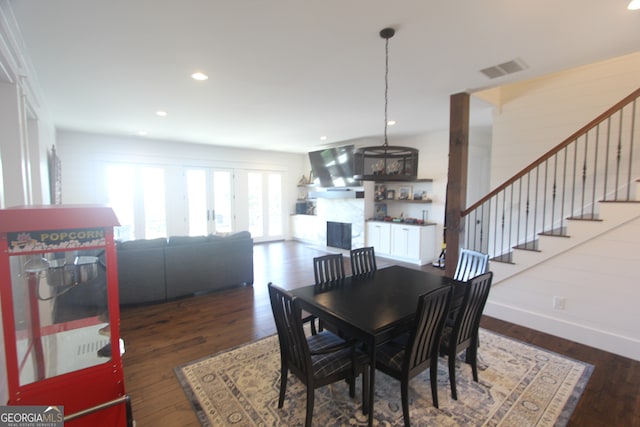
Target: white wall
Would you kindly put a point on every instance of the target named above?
(598, 279)
(84, 157)
(535, 116)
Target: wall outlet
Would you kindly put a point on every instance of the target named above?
(559, 303)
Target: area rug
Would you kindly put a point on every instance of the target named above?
(519, 385)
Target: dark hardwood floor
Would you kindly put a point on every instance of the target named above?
(161, 337)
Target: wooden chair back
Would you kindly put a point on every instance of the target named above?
(424, 340)
(467, 323)
(328, 268)
(471, 264)
(363, 260)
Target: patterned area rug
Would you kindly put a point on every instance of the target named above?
(519, 385)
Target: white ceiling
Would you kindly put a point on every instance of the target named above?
(284, 72)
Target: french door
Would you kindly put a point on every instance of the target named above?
(264, 205)
(209, 197)
(137, 194)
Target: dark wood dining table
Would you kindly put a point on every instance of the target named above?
(373, 308)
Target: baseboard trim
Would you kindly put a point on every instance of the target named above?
(600, 339)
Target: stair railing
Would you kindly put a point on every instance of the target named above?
(599, 162)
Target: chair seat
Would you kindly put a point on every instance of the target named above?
(327, 364)
(323, 340)
(391, 354)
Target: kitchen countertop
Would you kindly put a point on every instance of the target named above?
(401, 222)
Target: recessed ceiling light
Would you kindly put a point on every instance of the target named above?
(142, 132)
(634, 5)
(199, 76)
(161, 113)
(391, 122)
(323, 138)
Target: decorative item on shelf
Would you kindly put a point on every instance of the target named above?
(303, 180)
(391, 194)
(404, 193)
(385, 162)
(380, 191)
(422, 195)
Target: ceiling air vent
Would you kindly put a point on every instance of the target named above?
(505, 68)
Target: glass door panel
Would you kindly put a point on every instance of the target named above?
(275, 204)
(265, 211)
(197, 202)
(137, 195)
(256, 226)
(209, 201)
(155, 214)
(121, 193)
(222, 201)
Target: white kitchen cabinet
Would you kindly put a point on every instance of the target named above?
(404, 242)
(379, 236)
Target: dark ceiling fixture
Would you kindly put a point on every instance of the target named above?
(386, 162)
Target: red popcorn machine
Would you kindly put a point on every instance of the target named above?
(60, 313)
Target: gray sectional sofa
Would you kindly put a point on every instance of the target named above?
(158, 270)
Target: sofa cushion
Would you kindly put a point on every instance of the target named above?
(187, 240)
(216, 238)
(239, 235)
(142, 244)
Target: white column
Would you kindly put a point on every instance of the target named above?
(13, 150)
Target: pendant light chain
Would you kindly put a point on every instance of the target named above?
(386, 89)
(385, 162)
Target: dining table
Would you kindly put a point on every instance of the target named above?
(372, 308)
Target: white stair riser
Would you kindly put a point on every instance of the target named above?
(612, 214)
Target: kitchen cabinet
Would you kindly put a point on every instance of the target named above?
(404, 242)
(379, 236)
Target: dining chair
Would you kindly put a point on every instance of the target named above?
(363, 260)
(328, 268)
(317, 360)
(463, 334)
(407, 356)
(470, 264)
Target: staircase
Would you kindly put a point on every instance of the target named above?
(584, 187)
(578, 231)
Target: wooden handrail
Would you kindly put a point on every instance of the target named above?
(593, 123)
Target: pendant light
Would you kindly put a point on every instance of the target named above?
(386, 162)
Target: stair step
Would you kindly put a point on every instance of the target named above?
(529, 246)
(504, 258)
(556, 232)
(585, 217)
